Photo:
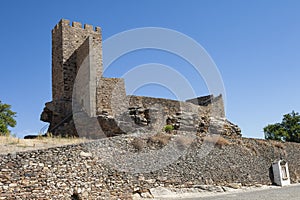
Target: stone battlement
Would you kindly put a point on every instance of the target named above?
(87, 27)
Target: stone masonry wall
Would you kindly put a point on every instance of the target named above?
(111, 96)
(216, 104)
(67, 171)
(169, 107)
(66, 39)
(188, 115)
(86, 80)
(71, 46)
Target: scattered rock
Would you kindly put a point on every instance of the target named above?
(235, 185)
(160, 192)
(85, 154)
(136, 196)
(146, 195)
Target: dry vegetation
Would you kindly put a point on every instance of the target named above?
(183, 142)
(219, 141)
(279, 145)
(138, 144)
(9, 144)
(159, 140)
(262, 142)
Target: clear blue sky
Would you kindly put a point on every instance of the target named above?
(254, 43)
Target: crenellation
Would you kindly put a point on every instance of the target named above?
(55, 28)
(88, 27)
(60, 24)
(97, 29)
(76, 25)
(64, 22)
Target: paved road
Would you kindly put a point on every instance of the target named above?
(286, 193)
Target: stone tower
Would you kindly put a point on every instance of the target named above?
(74, 49)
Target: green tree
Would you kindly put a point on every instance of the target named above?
(288, 130)
(6, 118)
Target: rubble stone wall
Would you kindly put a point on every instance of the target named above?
(62, 172)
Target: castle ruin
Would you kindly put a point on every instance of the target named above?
(84, 101)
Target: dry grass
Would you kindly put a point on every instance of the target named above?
(160, 138)
(138, 144)
(154, 141)
(279, 145)
(183, 142)
(219, 141)
(10, 144)
(262, 142)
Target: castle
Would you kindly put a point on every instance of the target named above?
(84, 103)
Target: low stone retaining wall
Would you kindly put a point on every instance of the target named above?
(79, 171)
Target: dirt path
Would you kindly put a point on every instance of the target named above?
(13, 145)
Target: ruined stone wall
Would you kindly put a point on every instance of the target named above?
(189, 116)
(202, 101)
(169, 107)
(111, 96)
(217, 107)
(215, 104)
(59, 173)
(213, 108)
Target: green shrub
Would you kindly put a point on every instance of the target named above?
(168, 128)
(6, 118)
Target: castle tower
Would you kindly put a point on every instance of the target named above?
(69, 49)
(75, 49)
